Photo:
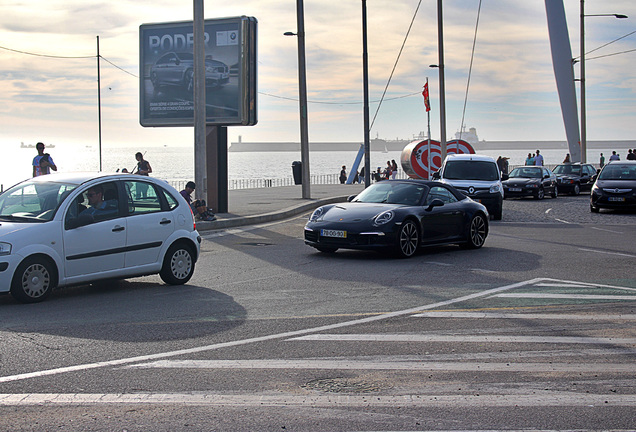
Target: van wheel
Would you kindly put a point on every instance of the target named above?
(498, 213)
(33, 280)
(178, 265)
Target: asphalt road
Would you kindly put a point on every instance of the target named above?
(535, 331)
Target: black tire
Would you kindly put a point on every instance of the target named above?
(555, 192)
(594, 209)
(327, 250)
(576, 190)
(540, 194)
(33, 280)
(477, 232)
(178, 265)
(408, 239)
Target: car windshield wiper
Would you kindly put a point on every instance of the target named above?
(14, 218)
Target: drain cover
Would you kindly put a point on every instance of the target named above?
(342, 385)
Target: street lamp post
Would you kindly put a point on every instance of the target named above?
(582, 79)
(302, 87)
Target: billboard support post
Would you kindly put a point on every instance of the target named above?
(200, 166)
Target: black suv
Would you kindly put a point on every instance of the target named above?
(574, 177)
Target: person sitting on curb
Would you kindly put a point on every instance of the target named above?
(199, 207)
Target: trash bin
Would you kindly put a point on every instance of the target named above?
(297, 170)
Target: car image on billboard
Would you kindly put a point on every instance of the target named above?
(177, 69)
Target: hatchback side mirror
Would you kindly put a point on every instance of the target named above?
(504, 177)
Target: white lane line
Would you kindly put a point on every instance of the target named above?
(606, 230)
(548, 211)
(566, 296)
(608, 253)
(536, 399)
(345, 364)
(529, 316)
(561, 285)
(381, 337)
(123, 361)
(563, 221)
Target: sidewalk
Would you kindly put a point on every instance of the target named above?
(254, 206)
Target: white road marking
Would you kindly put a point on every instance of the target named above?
(566, 296)
(529, 316)
(563, 221)
(470, 339)
(123, 361)
(608, 253)
(548, 211)
(536, 399)
(416, 365)
(606, 230)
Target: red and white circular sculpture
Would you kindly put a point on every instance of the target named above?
(421, 161)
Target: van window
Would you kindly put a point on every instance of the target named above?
(471, 170)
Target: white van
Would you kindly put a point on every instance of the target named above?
(477, 176)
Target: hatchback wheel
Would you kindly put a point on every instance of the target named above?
(178, 265)
(33, 280)
(325, 249)
(408, 240)
(576, 190)
(593, 208)
(477, 232)
(540, 194)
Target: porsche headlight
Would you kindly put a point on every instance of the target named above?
(383, 218)
(317, 214)
(5, 248)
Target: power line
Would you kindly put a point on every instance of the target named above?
(46, 55)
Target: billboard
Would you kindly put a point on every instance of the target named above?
(166, 76)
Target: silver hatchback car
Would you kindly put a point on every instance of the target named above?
(71, 229)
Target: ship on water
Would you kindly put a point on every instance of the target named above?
(23, 145)
(385, 145)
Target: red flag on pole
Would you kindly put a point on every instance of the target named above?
(427, 102)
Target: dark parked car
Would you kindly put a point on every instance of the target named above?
(533, 181)
(575, 177)
(400, 216)
(615, 187)
(176, 69)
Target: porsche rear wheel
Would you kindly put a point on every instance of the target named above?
(408, 240)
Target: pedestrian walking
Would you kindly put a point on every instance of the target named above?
(43, 162)
(538, 159)
(343, 175)
(602, 161)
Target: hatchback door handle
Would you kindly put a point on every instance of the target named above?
(118, 228)
(165, 221)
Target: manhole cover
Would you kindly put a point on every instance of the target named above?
(342, 385)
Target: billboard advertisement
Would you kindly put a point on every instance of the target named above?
(166, 75)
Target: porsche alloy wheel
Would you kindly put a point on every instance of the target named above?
(477, 232)
(408, 240)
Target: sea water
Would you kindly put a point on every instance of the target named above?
(176, 164)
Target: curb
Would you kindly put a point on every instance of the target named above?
(286, 213)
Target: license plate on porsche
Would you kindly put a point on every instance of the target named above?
(333, 233)
(515, 189)
(616, 199)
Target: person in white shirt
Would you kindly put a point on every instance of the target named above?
(538, 159)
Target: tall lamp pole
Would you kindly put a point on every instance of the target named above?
(582, 79)
(302, 89)
(442, 86)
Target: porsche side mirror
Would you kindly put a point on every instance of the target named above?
(435, 203)
(351, 197)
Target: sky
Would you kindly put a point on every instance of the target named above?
(511, 94)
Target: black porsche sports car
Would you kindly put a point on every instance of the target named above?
(401, 216)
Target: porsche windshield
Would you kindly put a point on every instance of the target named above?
(392, 193)
(33, 201)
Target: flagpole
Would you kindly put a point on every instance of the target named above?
(428, 134)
